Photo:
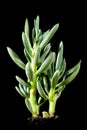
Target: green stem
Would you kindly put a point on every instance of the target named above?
(45, 114)
(52, 102)
(33, 102)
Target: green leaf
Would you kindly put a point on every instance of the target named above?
(23, 90)
(22, 82)
(73, 69)
(61, 88)
(49, 72)
(51, 69)
(45, 52)
(27, 44)
(28, 105)
(46, 33)
(55, 79)
(48, 37)
(36, 56)
(59, 56)
(39, 38)
(41, 91)
(63, 68)
(28, 90)
(39, 100)
(36, 25)
(53, 63)
(46, 64)
(28, 58)
(33, 35)
(26, 28)
(70, 75)
(29, 72)
(45, 83)
(15, 58)
(19, 91)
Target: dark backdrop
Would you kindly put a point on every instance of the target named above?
(72, 31)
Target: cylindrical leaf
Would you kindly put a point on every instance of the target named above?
(61, 88)
(36, 56)
(53, 64)
(21, 81)
(70, 75)
(29, 72)
(23, 90)
(33, 35)
(27, 44)
(26, 28)
(59, 56)
(28, 105)
(49, 72)
(63, 68)
(45, 52)
(46, 64)
(41, 91)
(18, 90)
(15, 58)
(28, 58)
(36, 26)
(39, 100)
(55, 78)
(49, 36)
(45, 83)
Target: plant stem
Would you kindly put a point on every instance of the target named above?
(52, 102)
(45, 114)
(33, 102)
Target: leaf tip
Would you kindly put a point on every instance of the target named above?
(8, 48)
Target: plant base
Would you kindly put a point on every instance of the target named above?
(51, 122)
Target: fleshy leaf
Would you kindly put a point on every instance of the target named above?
(26, 28)
(39, 100)
(53, 63)
(23, 90)
(28, 105)
(19, 91)
(28, 58)
(22, 82)
(41, 91)
(36, 25)
(45, 83)
(46, 33)
(48, 37)
(27, 44)
(15, 58)
(45, 52)
(29, 72)
(63, 68)
(70, 75)
(61, 88)
(55, 78)
(46, 64)
(36, 56)
(59, 56)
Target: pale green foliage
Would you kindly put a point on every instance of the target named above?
(46, 74)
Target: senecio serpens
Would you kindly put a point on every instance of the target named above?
(46, 75)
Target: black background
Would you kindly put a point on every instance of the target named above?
(72, 31)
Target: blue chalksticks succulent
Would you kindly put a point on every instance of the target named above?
(46, 73)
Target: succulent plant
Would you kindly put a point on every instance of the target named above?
(46, 74)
